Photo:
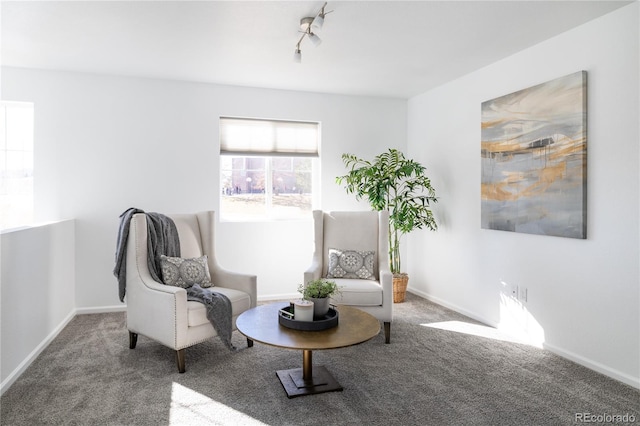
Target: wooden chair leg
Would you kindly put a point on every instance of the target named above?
(180, 359)
(249, 343)
(133, 340)
(387, 332)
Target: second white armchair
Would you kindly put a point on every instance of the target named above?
(351, 248)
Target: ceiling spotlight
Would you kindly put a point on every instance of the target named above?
(315, 39)
(318, 21)
(306, 25)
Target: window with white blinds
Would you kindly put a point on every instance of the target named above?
(248, 136)
(267, 168)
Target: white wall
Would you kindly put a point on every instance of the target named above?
(104, 144)
(583, 295)
(37, 292)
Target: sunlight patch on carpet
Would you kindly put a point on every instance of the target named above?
(477, 330)
(189, 407)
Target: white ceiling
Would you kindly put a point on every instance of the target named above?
(379, 48)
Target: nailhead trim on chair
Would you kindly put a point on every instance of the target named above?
(175, 308)
(175, 329)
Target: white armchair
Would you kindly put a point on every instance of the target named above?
(162, 312)
(361, 231)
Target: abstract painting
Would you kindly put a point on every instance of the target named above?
(534, 159)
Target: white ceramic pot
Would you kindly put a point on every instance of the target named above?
(303, 310)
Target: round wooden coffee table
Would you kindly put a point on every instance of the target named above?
(261, 324)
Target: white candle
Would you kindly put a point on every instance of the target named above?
(303, 310)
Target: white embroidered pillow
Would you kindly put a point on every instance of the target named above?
(184, 273)
(351, 264)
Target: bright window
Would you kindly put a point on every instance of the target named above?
(267, 168)
(16, 164)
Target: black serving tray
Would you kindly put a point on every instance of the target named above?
(325, 322)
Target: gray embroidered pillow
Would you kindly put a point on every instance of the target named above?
(351, 264)
(184, 273)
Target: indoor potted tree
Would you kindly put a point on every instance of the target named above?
(397, 184)
(319, 292)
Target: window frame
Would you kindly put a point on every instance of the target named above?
(270, 156)
(11, 193)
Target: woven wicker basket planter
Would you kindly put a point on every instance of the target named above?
(400, 282)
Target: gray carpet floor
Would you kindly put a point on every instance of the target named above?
(426, 376)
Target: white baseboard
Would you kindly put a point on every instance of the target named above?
(453, 307)
(101, 309)
(595, 366)
(123, 307)
(15, 374)
(284, 296)
(585, 362)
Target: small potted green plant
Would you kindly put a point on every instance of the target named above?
(319, 292)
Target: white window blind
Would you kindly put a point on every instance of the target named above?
(248, 136)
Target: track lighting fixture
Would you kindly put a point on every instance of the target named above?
(307, 26)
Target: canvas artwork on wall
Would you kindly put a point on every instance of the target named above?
(534, 159)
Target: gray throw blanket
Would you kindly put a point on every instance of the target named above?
(218, 311)
(162, 238)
